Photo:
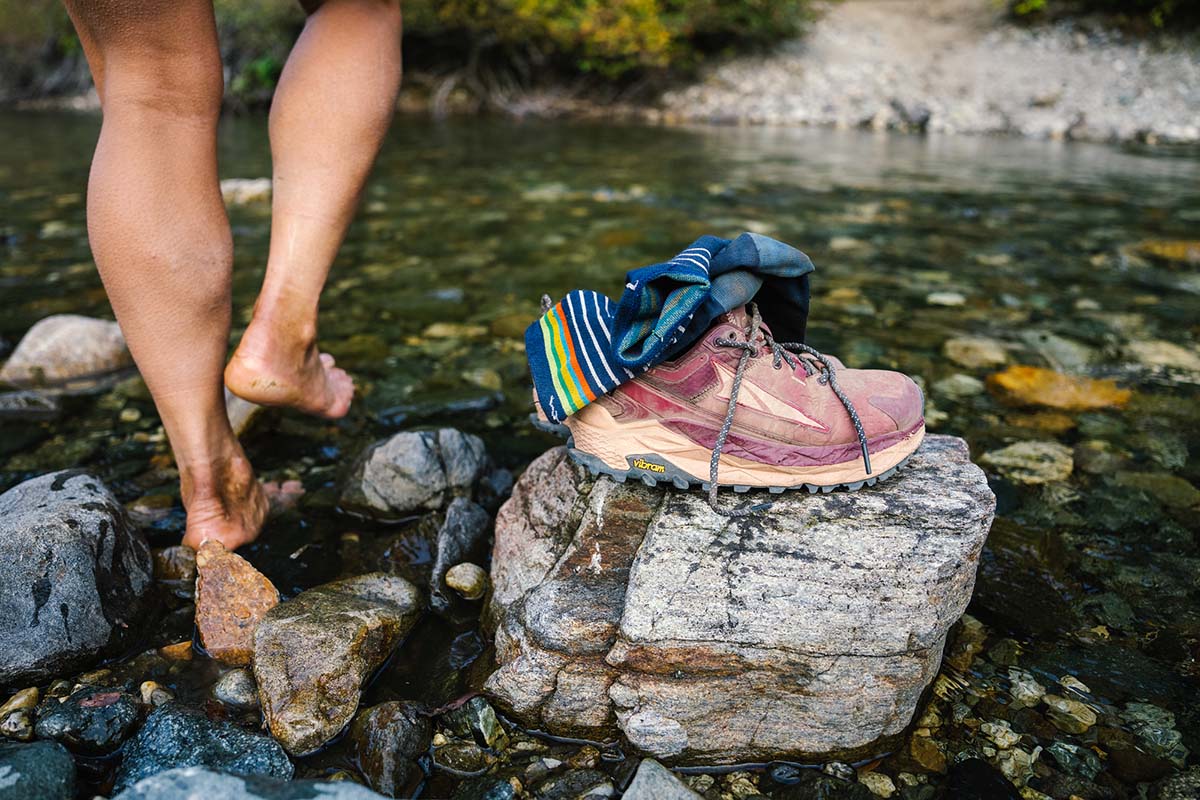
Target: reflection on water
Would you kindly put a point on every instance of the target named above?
(1040, 246)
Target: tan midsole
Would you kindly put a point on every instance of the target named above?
(598, 434)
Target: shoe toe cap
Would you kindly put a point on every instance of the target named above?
(900, 399)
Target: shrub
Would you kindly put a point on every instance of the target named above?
(1159, 14)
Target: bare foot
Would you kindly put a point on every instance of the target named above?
(224, 501)
(274, 370)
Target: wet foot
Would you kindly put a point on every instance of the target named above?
(273, 370)
(229, 505)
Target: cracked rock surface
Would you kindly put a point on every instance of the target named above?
(809, 630)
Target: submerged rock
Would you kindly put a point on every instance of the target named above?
(476, 719)
(37, 771)
(236, 688)
(68, 352)
(190, 783)
(312, 654)
(92, 721)
(415, 471)
(73, 575)
(176, 737)
(1032, 462)
(231, 599)
(387, 740)
(1036, 386)
(653, 781)
(975, 352)
(462, 536)
(628, 610)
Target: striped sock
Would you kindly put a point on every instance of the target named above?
(570, 354)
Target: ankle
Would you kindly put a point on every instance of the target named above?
(273, 332)
(222, 477)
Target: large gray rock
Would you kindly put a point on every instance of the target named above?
(808, 631)
(68, 352)
(190, 783)
(313, 653)
(415, 471)
(175, 737)
(36, 771)
(73, 574)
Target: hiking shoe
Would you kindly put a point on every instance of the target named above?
(796, 418)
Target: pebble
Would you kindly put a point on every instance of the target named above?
(17, 724)
(1033, 462)
(949, 299)
(877, 783)
(959, 387)
(154, 694)
(236, 688)
(24, 699)
(477, 719)
(387, 740)
(653, 781)
(975, 352)
(926, 753)
(469, 580)
(1163, 355)
(1070, 716)
(1000, 733)
(180, 651)
(1025, 691)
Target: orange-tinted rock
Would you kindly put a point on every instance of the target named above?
(1037, 386)
(180, 651)
(231, 598)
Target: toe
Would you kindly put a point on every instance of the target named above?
(327, 360)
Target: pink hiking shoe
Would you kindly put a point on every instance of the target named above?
(739, 409)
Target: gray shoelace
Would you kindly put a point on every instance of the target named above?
(794, 354)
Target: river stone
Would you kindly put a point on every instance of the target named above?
(231, 599)
(36, 771)
(1032, 462)
(177, 737)
(805, 632)
(190, 783)
(653, 781)
(387, 740)
(73, 575)
(975, 352)
(92, 721)
(415, 471)
(67, 351)
(312, 654)
(236, 688)
(462, 536)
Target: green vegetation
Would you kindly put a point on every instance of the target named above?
(531, 39)
(1159, 14)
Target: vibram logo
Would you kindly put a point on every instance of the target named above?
(641, 463)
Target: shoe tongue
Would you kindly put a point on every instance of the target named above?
(740, 319)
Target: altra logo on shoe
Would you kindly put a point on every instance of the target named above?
(641, 463)
(757, 398)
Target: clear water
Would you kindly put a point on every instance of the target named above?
(469, 222)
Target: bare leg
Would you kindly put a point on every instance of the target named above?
(161, 239)
(331, 111)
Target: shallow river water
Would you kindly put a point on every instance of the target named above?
(1052, 249)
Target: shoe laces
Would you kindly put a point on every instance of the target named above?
(796, 355)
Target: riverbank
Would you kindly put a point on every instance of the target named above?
(946, 66)
(957, 66)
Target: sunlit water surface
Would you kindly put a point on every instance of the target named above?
(469, 222)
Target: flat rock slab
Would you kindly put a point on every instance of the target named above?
(313, 653)
(231, 599)
(808, 631)
(73, 575)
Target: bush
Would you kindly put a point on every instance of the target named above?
(1159, 14)
(609, 38)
